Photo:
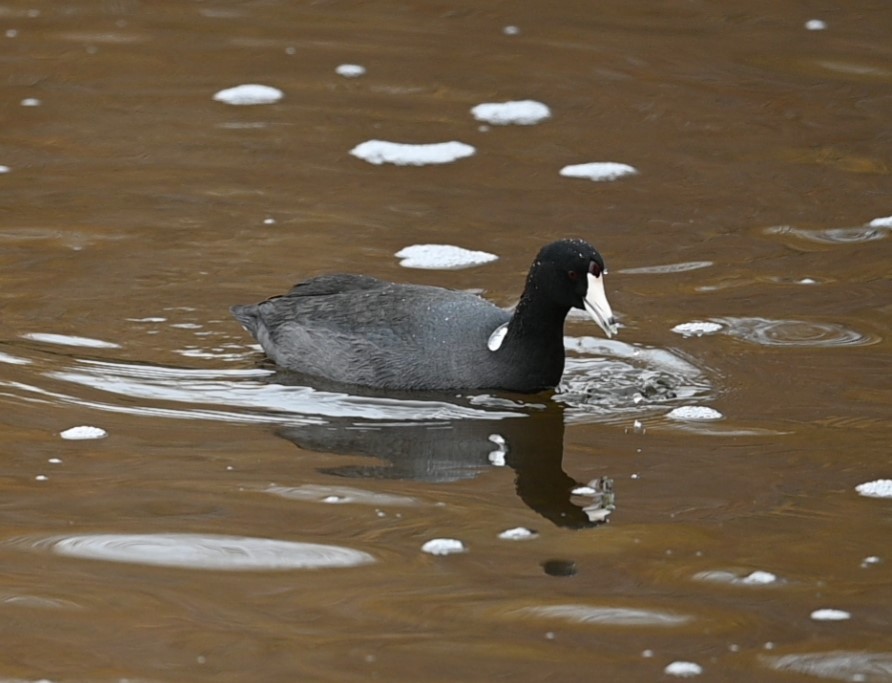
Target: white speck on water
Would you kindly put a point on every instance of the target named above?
(884, 222)
(41, 477)
(733, 647)
(828, 614)
(269, 221)
(83, 432)
(147, 320)
(768, 645)
(683, 669)
(442, 257)
(698, 413)
(638, 427)
(519, 112)
(69, 340)
(599, 171)
(550, 635)
(807, 281)
(187, 326)
(55, 461)
(443, 546)
(755, 578)
(634, 475)
(869, 561)
(815, 25)
(350, 70)
(12, 33)
(519, 533)
(697, 328)
(290, 50)
(584, 491)
(511, 30)
(5, 169)
(333, 499)
(249, 94)
(404, 154)
(880, 488)
(30, 102)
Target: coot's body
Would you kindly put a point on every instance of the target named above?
(360, 330)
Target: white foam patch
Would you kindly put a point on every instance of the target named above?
(884, 222)
(815, 25)
(30, 102)
(828, 614)
(443, 546)
(83, 432)
(147, 320)
(518, 534)
(755, 578)
(442, 257)
(519, 112)
(696, 328)
(340, 495)
(403, 154)
(69, 340)
(610, 616)
(5, 169)
(880, 488)
(249, 94)
(350, 70)
(694, 413)
(599, 171)
(683, 669)
(198, 551)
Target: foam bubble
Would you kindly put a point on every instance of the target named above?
(350, 70)
(249, 94)
(879, 488)
(683, 669)
(828, 614)
(83, 432)
(517, 534)
(441, 256)
(598, 171)
(443, 546)
(884, 222)
(403, 154)
(697, 413)
(815, 25)
(518, 112)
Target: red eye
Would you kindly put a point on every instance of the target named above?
(572, 275)
(594, 268)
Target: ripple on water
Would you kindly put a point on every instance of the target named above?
(198, 551)
(610, 616)
(862, 233)
(841, 665)
(797, 333)
(609, 379)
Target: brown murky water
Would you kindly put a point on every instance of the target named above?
(136, 209)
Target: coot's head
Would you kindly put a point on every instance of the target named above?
(572, 272)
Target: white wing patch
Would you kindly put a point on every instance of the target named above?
(494, 343)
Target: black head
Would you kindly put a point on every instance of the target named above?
(570, 273)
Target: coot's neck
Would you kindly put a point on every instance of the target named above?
(535, 338)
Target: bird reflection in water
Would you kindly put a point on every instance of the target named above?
(452, 450)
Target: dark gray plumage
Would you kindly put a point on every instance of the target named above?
(357, 329)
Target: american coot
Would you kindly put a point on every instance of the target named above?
(357, 329)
